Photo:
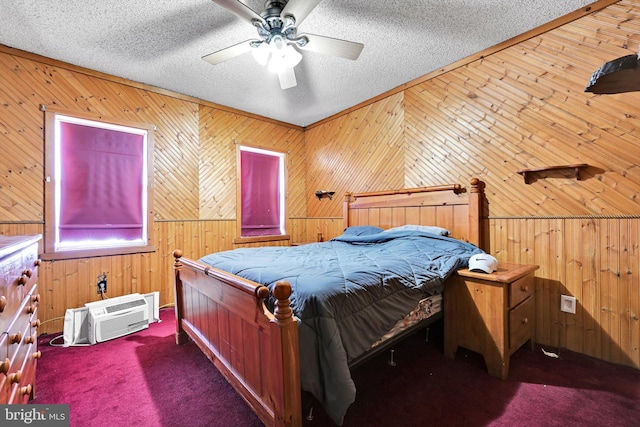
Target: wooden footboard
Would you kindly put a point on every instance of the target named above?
(255, 350)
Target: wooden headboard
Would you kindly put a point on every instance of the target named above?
(453, 207)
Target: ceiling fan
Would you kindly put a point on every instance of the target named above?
(279, 39)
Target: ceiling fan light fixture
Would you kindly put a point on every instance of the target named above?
(278, 43)
(283, 55)
(261, 53)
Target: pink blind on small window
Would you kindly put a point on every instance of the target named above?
(101, 184)
(260, 194)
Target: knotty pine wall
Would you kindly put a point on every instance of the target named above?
(518, 106)
(194, 173)
(522, 106)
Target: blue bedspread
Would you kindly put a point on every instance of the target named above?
(347, 293)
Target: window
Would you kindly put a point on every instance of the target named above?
(262, 192)
(96, 187)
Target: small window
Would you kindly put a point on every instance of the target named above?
(262, 192)
(97, 187)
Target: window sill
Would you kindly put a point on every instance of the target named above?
(91, 253)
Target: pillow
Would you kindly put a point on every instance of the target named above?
(362, 230)
(424, 228)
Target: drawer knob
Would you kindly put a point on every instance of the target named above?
(525, 321)
(36, 323)
(25, 390)
(37, 263)
(15, 338)
(31, 308)
(3, 303)
(30, 339)
(35, 298)
(524, 288)
(36, 355)
(28, 273)
(15, 377)
(4, 366)
(23, 280)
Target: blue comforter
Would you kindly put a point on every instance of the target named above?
(347, 293)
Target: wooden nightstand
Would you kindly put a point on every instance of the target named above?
(491, 314)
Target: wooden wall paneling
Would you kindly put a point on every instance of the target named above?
(307, 229)
(21, 196)
(175, 140)
(544, 325)
(236, 129)
(609, 248)
(549, 95)
(462, 154)
(633, 283)
(217, 165)
(589, 302)
(573, 324)
(556, 276)
(591, 259)
(361, 151)
(298, 230)
(624, 295)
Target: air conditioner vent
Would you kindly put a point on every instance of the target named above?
(125, 305)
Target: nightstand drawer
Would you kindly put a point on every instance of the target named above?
(520, 290)
(521, 323)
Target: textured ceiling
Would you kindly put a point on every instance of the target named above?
(161, 43)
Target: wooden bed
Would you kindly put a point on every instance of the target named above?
(256, 350)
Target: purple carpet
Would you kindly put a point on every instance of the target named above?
(145, 380)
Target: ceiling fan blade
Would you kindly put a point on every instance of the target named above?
(229, 52)
(240, 9)
(299, 9)
(287, 78)
(331, 46)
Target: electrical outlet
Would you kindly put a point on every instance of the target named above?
(102, 284)
(568, 304)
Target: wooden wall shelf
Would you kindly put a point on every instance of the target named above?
(527, 173)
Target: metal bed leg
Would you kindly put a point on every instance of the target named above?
(391, 362)
(310, 414)
(426, 335)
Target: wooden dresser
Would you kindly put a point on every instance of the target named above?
(491, 314)
(18, 317)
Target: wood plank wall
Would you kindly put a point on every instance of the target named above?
(194, 173)
(518, 107)
(521, 107)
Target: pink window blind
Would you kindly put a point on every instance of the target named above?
(260, 183)
(101, 184)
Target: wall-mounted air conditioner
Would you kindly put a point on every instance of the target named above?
(111, 318)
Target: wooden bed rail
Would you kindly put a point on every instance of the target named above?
(255, 350)
(456, 188)
(260, 292)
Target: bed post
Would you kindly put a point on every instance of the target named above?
(181, 335)
(476, 200)
(345, 211)
(291, 415)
